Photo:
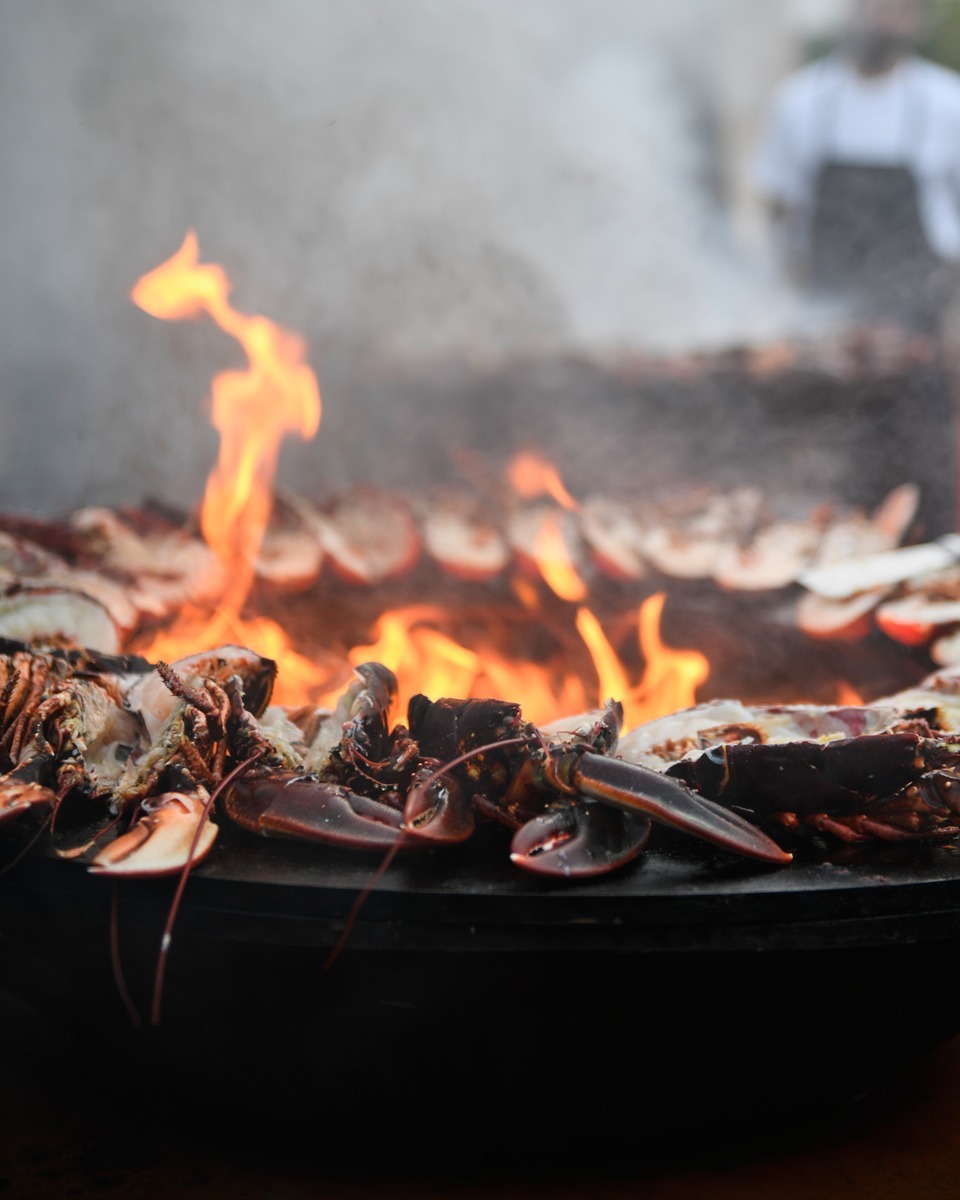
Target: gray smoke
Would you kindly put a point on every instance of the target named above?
(402, 182)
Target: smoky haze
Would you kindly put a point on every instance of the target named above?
(405, 184)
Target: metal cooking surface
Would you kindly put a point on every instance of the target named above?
(676, 896)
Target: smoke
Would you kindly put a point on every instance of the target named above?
(417, 182)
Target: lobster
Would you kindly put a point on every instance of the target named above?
(139, 741)
(575, 810)
(886, 772)
(721, 771)
(158, 744)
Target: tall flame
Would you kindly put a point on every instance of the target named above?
(278, 394)
(670, 677)
(253, 410)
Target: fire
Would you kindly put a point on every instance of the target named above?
(252, 410)
(670, 677)
(554, 562)
(278, 394)
(848, 696)
(530, 476)
(425, 659)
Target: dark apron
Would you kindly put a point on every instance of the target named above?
(867, 241)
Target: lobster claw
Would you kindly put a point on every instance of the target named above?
(20, 796)
(171, 833)
(286, 804)
(638, 789)
(437, 810)
(577, 839)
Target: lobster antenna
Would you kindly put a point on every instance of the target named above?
(32, 841)
(118, 976)
(456, 762)
(399, 844)
(360, 901)
(182, 883)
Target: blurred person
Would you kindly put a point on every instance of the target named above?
(860, 165)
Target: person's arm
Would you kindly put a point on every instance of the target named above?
(780, 176)
(777, 169)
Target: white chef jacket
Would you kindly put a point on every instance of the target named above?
(908, 116)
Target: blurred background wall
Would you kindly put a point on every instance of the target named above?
(402, 183)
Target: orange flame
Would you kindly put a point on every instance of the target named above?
(612, 680)
(252, 409)
(278, 394)
(531, 476)
(848, 696)
(553, 559)
(671, 677)
(427, 660)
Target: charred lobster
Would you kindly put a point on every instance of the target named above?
(154, 745)
(721, 772)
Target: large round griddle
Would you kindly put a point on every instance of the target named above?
(733, 992)
(681, 895)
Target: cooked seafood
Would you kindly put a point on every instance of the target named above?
(890, 771)
(138, 739)
(154, 745)
(156, 742)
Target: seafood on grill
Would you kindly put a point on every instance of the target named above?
(67, 615)
(887, 772)
(575, 810)
(102, 576)
(369, 536)
(920, 611)
(153, 744)
(144, 743)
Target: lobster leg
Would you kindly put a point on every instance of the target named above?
(627, 785)
(285, 804)
(577, 839)
(22, 789)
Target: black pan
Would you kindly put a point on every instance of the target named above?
(468, 992)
